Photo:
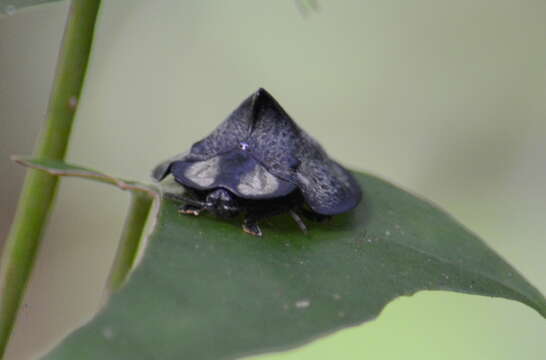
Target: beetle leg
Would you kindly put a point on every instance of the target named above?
(298, 221)
(313, 215)
(251, 227)
(190, 210)
(250, 222)
(193, 206)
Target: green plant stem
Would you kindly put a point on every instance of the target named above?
(130, 240)
(39, 188)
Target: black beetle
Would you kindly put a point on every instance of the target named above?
(260, 163)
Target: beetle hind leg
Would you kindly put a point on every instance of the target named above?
(299, 221)
(313, 216)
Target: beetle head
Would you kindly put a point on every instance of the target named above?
(222, 203)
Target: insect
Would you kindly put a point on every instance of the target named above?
(259, 163)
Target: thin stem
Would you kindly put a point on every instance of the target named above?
(39, 188)
(130, 240)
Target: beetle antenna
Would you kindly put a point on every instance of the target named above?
(185, 199)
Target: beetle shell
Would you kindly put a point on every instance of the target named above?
(259, 152)
(236, 171)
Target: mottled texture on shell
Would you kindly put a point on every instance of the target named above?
(327, 187)
(259, 147)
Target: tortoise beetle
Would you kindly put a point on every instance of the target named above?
(258, 162)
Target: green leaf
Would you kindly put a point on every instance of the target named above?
(9, 7)
(61, 168)
(206, 290)
(141, 201)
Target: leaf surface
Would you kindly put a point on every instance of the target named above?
(207, 290)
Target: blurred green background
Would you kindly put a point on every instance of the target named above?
(446, 98)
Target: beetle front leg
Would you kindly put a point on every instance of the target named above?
(250, 222)
(250, 226)
(190, 209)
(194, 206)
